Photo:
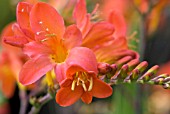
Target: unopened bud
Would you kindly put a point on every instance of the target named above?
(166, 86)
(159, 81)
(132, 64)
(104, 68)
(122, 74)
(123, 60)
(124, 71)
(151, 72)
(142, 66)
(135, 74)
(114, 68)
(160, 76)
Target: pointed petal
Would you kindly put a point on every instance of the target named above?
(23, 12)
(107, 52)
(66, 82)
(34, 69)
(86, 97)
(35, 49)
(46, 21)
(80, 13)
(72, 37)
(60, 71)
(119, 23)
(14, 36)
(101, 89)
(99, 33)
(66, 97)
(81, 58)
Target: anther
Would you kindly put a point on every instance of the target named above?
(91, 84)
(78, 82)
(47, 29)
(38, 33)
(73, 85)
(40, 22)
(22, 10)
(84, 86)
(43, 40)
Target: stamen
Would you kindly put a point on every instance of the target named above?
(78, 82)
(85, 74)
(40, 22)
(73, 85)
(50, 35)
(91, 84)
(77, 74)
(47, 29)
(22, 10)
(43, 40)
(84, 86)
(38, 33)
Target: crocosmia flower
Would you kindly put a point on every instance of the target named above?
(81, 79)
(106, 38)
(52, 44)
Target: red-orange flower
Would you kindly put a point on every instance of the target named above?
(107, 38)
(7, 75)
(53, 43)
(10, 64)
(81, 79)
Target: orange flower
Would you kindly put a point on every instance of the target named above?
(81, 80)
(106, 38)
(10, 64)
(7, 76)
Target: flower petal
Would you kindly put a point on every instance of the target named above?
(66, 97)
(98, 34)
(81, 58)
(101, 89)
(86, 97)
(72, 37)
(119, 23)
(66, 82)
(23, 12)
(107, 52)
(80, 14)
(45, 21)
(60, 71)
(14, 36)
(34, 69)
(35, 49)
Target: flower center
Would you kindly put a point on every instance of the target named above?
(83, 79)
(60, 52)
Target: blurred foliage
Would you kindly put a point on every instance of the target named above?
(7, 9)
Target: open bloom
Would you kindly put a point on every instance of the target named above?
(53, 44)
(106, 38)
(81, 79)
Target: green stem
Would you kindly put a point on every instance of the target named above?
(40, 102)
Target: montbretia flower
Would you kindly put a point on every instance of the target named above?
(52, 46)
(7, 75)
(21, 32)
(81, 79)
(106, 38)
(11, 61)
